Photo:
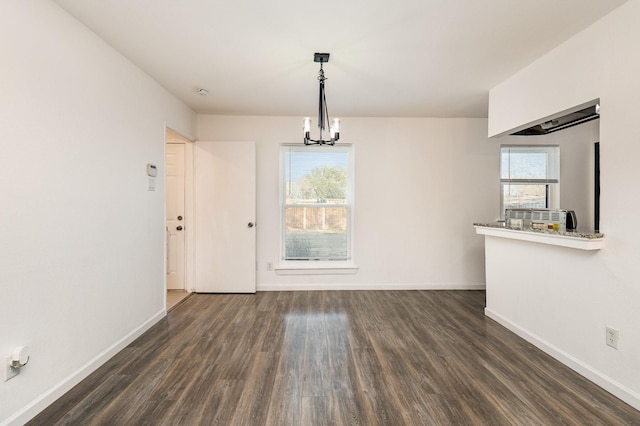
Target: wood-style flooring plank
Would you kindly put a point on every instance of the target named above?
(334, 358)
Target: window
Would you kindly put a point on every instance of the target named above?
(529, 177)
(317, 202)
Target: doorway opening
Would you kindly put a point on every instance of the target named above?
(178, 152)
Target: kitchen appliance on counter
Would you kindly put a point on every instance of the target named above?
(572, 221)
(542, 219)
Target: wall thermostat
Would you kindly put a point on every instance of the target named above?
(152, 170)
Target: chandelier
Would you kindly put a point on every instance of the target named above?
(323, 112)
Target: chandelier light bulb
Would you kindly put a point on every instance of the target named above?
(336, 125)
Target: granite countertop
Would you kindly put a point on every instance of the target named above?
(574, 234)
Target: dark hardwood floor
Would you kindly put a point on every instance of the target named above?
(334, 358)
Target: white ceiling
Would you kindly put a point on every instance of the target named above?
(411, 58)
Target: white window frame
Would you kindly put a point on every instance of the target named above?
(313, 267)
(552, 179)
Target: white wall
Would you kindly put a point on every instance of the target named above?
(82, 240)
(602, 62)
(420, 184)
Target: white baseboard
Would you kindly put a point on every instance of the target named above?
(47, 398)
(617, 389)
(366, 286)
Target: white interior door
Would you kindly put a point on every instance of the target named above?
(225, 208)
(175, 216)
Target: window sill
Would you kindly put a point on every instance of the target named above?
(316, 268)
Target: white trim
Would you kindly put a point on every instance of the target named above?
(368, 286)
(172, 136)
(47, 398)
(190, 263)
(552, 178)
(607, 383)
(315, 268)
(349, 148)
(317, 271)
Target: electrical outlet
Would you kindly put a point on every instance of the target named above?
(9, 373)
(269, 266)
(613, 337)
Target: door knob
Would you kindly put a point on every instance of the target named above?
(250, 225)
(179, 228)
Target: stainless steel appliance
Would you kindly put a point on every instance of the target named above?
(571, 221)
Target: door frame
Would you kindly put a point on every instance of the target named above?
(171, 136)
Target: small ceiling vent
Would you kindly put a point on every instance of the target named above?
(561, 123)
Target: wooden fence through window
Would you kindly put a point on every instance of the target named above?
(325, 219)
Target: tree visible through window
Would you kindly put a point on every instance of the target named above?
(317, 202)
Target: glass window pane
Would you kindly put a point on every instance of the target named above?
(520, 165)
(524, 196)
(529, 162)
(317, 202)
(316, 233)
(316, 177)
